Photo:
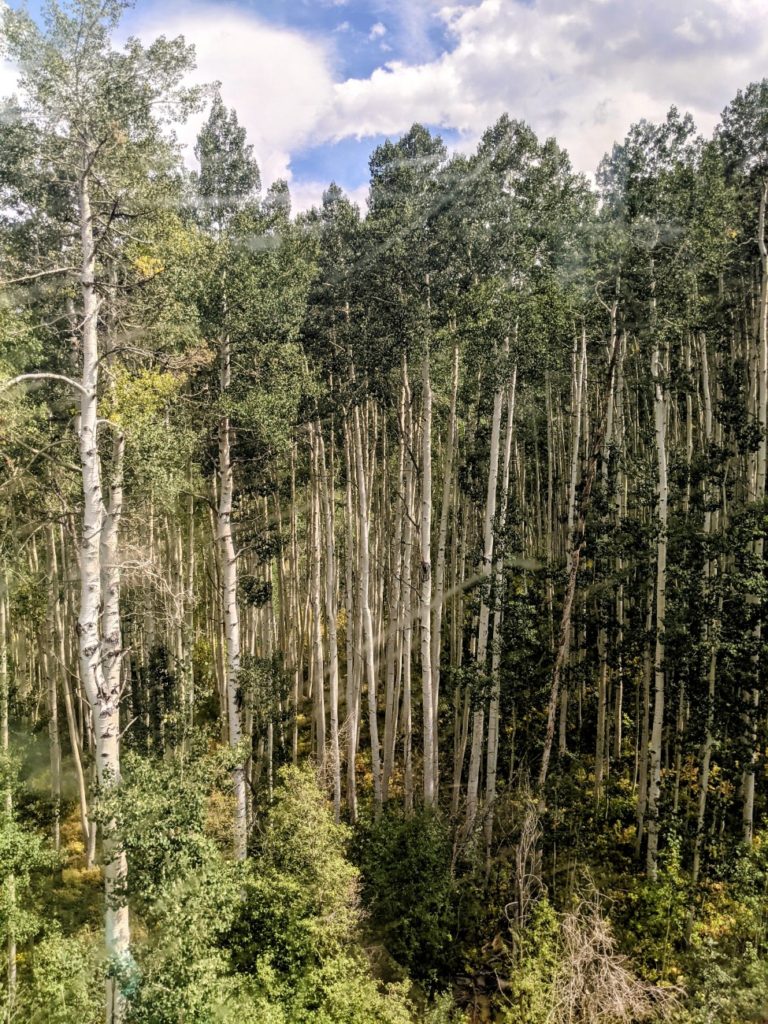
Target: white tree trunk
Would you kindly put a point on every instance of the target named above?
(369, 655)
(478, 719)
(492, 753)
(102, 694)
(662, 492)
(331, 615)
(425, 589)
(439, 596)
(758, 488)
(228, 589)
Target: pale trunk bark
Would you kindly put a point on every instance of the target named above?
(759, 494)
(394, 631)
(492, 754)
(331, 615)
(711, 635)
(103, 696)
(365, 609)
(228, 590)
(407, 603)
(577, 542)
(439, 596)
(318, 659)
(352, 691)
(9, 881)
(577, 406)
(66, 689)
(476, 752)
(425, 591)
(601, 743)
(654, 752)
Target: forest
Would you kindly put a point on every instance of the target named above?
(383, 594)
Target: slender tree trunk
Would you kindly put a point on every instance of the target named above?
(102, 693)
(486, 566)
(577, 546)
(352, 689)
(645, 724)
(369, 654)
(9, 882)
(394, 643)
(407, 603)
(66, 690)
(492, 755)
(228, 591)
(318, 659)
(759, 490)
(654, 754)
(711, 637)
(425, 591)
(440, 565)
(577, 415)
(331, 615)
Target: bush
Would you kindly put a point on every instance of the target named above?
(298, 932)
(408, 890)
(64, 983)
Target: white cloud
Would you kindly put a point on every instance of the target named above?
(8, 79)
(279, 81)
(582, 70)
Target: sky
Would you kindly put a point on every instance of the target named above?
(319, 83)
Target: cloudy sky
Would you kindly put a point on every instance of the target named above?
(318, 83)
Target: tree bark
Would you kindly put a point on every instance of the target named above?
(102, 693)
(662, 502)
(228, 590)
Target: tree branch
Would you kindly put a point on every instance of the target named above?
(40, 273)
(42, 376)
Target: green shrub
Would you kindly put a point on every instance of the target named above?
(409, 892)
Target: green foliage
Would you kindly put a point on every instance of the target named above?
(723, 966)
(653, 917)
(229, 176)
(409, 890)
(274, 940)
(299, 927)
(184, 968)
(159, 445)
(534, 957)
(25, 858)
(160, 813)
(64, 981)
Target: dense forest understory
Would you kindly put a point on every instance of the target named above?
(383, 598)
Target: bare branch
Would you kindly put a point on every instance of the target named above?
(40, 273)
(43, 376)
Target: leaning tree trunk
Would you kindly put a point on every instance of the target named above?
(9, 882)
(577, 542)
(711, 635)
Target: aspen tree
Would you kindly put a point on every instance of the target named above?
(659, 669)
(486, 567)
